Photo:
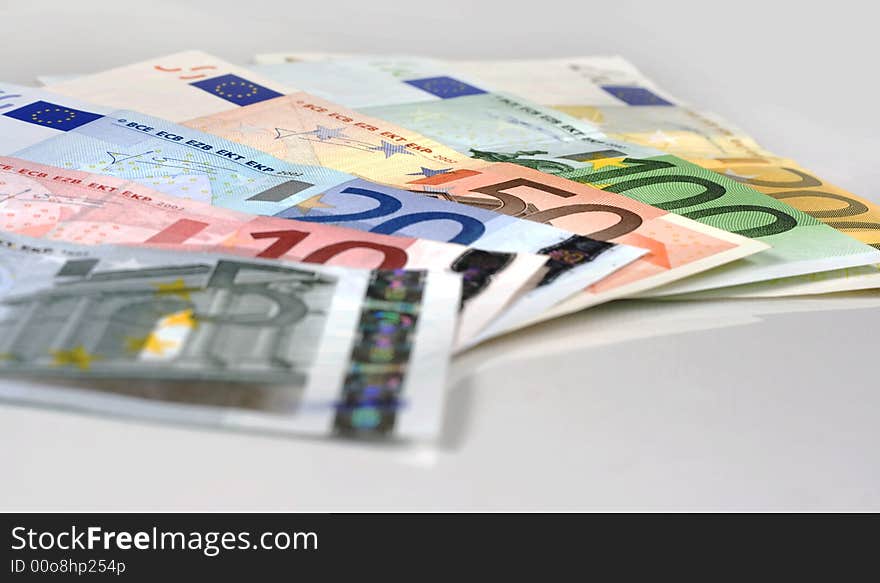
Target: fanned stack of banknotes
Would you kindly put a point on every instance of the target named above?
(300, 245)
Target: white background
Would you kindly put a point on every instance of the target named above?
(749, 405)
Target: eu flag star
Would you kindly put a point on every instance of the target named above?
(391, 149)
(235, 89)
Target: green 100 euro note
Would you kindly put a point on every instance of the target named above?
(613, 94)
(225, 340)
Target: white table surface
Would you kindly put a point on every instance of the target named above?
(736, 405)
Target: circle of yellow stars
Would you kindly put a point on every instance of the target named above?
(57, 114)
(244, 90)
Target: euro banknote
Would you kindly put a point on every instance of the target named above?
(78, 207)
(225, 340)
(190, 164)
(469, 119)
(598, 80)
(614, 95)
(303, 128)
